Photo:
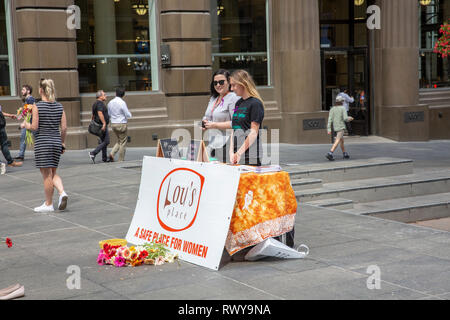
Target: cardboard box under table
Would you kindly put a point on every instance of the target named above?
(265, 207)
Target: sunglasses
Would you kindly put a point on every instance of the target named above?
(221, 82)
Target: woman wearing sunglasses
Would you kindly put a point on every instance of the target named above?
(218, 115)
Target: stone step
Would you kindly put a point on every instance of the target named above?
(352, 169)
(336, 203)
(271, 107)
(306, 183)
(436, 101)
(139, 115)
(431, 92)
(410, 209)
(435, 97)
(376, 189)
(142, 120)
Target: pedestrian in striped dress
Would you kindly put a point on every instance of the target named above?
(50, 126)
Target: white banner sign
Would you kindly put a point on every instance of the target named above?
(187, 206)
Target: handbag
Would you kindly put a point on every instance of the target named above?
(95, 128)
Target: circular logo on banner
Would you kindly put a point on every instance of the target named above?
(179, 199)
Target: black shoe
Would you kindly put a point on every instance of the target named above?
(92, 157)
(330, 157)
(346, 156)
(19, 158)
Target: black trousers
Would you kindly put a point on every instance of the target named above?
(4, 145)
(103, 143)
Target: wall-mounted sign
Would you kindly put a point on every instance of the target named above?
(415, 116)
(314, 124)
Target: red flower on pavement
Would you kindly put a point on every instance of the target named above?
(143, 255)
(9, 242)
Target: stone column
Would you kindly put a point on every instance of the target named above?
(297, 70)
(46, 48)
(185, 27)
(402, 118)
(105, 43)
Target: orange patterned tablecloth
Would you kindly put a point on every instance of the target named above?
(265, 207)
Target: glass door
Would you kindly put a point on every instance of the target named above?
(347, 69)
(345, 59)
(360, 88)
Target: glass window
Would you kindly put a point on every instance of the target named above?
(240, 37)
(343, 23)
(334, 10)
(334, 35)
(5, 87)
(434, 70)
(360, 8)
(360, 34)
(114, 45)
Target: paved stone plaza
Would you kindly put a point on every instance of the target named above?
(414, 261)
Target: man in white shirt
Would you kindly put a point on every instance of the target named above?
(347, 99)
(119, 115)
(346, 103)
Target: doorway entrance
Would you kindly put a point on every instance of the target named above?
(348, 69)
(345, 57)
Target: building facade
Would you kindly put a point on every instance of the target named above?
(302, 53)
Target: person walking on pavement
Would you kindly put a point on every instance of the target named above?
(346, 103)
(4, 141)
(100, 115)
(27, 90)
(119, 115)
(337, 119)
(50, 126)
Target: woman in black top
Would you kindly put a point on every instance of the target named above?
(247, 120)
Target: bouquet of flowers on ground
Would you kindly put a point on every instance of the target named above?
(124, 256)
(25, 113)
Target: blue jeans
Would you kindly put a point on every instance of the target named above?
(4, 145)
(23, 143)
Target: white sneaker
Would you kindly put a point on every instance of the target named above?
(2, 168)
(62, 204)
(44, 208)
(18, 293)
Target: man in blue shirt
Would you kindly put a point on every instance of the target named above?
(27, 90)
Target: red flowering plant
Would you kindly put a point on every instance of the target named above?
(442, 46)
